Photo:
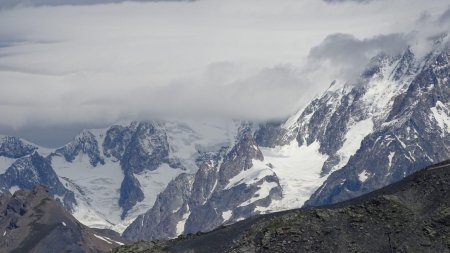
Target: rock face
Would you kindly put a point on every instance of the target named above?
(84, 143)
(214, 196)
(413, 133)
(13, 147)
(32, 221)
(32, 170)
(147, 149)
(409, 216)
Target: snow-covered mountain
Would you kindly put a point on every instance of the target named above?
(171, 177)
(107, 177)
(354, 138)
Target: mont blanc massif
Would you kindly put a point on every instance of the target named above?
(160, 179)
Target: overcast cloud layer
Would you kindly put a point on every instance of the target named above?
(6, 4)
(66, 67)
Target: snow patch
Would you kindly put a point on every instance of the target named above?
(96, 189)
(441, 114)
(108, 240)
(263, 191)
(390, 157)
(5, 163)
(182, 222)
(13, 189)
(363, 176)
(258, 171)
(102, 238)
(298, 169)
(353, 138)
(227, 215)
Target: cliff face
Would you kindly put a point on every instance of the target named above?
(412, 215)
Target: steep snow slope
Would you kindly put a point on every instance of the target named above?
(298, 169)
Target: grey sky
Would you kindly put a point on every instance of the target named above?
(68, 67)
(6, 4)
(342, 1)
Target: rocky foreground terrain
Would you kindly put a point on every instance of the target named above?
(32, 221)
(412, 215)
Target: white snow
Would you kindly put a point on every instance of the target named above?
(107, 239)
(227, 215)
(102, 238)
(363, 176)
(441, 113)
(152, 183)
(13, 189)
(5, 163)
(258, 171)
(182, 222)
(119, 243)
(250, 176)
(298, 169)
(189, 137)
(390, 157)
(96, 189)
(356, 133)
(263, 191)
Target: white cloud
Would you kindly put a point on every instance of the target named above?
(98, 64)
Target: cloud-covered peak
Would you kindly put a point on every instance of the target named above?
(349, 55)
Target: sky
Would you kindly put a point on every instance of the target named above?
(72, 64)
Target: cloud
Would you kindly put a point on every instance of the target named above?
(344, 56)
(348, 55)
(6, 4)
(93, 65)
(445, 17)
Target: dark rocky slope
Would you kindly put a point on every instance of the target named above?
(32, 221)
(412, 215)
